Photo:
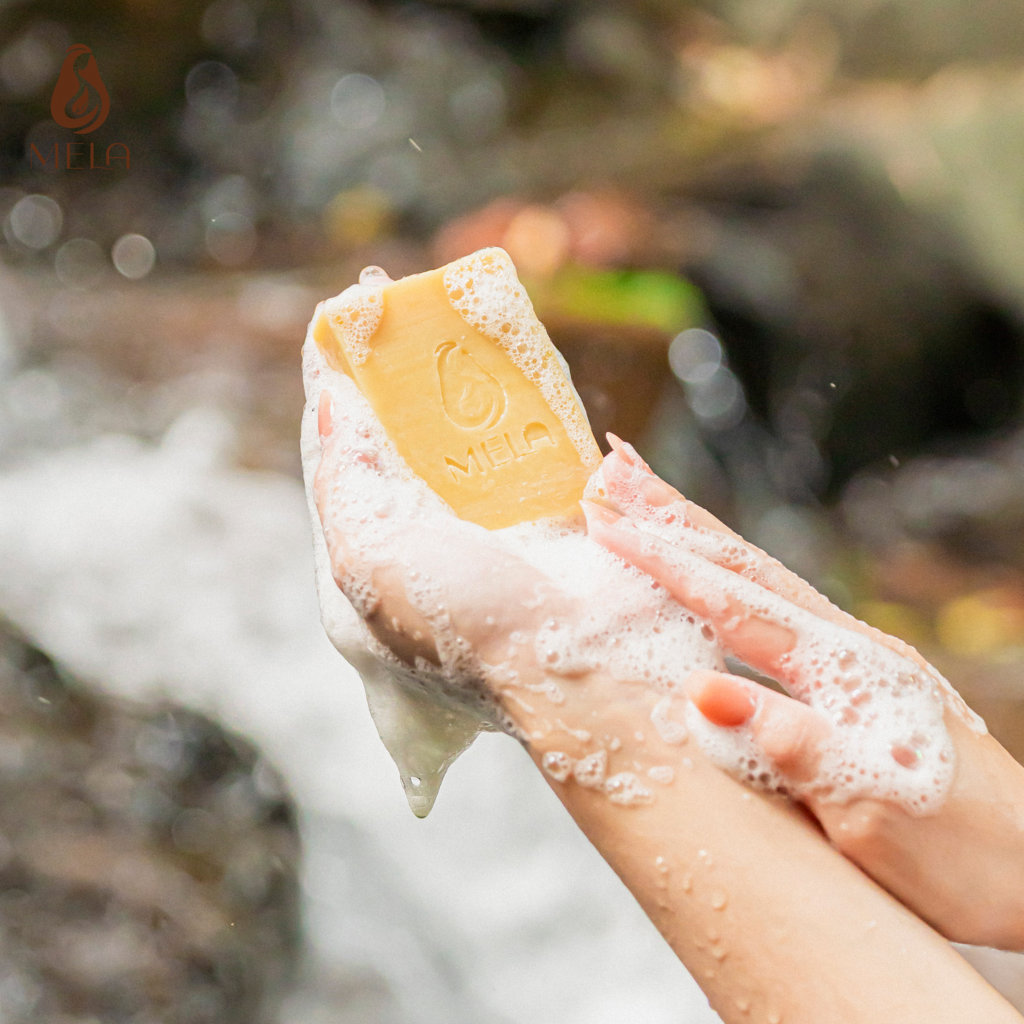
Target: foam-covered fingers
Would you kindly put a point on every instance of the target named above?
(747, 619)
(356, 489)
(758, 726)
(634, 488)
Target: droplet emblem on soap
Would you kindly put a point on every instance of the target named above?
(471, 397)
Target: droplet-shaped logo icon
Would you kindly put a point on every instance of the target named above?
(471, 397)
(80, 100)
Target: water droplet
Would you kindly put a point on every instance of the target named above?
(421, 791)
(718, 899)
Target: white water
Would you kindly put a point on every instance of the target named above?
(162, 572)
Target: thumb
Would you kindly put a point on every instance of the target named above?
(789, 736)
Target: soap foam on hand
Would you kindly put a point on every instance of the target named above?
(472, 319)
(885, 705)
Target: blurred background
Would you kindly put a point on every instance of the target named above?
(778, 243)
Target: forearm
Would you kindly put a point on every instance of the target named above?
(921, 804)
(964, 864)
(772, 922)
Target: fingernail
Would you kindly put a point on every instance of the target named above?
(594, 513)
(625, 451)
(720, 699)
(657, 492)
(614, 441)
(325, 415)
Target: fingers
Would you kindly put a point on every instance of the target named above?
(361, 496)
(752, 623)
(634, 489)
(815, 660)
(722, 699)
(415, 572)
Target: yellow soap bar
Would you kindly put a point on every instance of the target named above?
(464, 379)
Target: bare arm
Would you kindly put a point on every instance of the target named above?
(772, 922)
(959, 862)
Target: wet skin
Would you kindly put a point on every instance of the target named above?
(962, 867)
(771, 920)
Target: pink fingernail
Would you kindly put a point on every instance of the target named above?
(722, 700)
(657, 492)
(595, 513)
(325, 416)
(632, 456)
(624, 450)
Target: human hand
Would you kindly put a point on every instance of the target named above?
(504, 622)
(900, 774)
(440, 596)
(559, 642)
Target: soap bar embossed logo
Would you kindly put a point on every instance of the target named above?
(471, 397)
(475, 400)
(80, 100)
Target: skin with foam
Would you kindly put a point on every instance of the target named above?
(475, 634)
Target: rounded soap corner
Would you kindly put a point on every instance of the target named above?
(494, 257)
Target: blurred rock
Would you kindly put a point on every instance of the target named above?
(861, 326)
(148, 860)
